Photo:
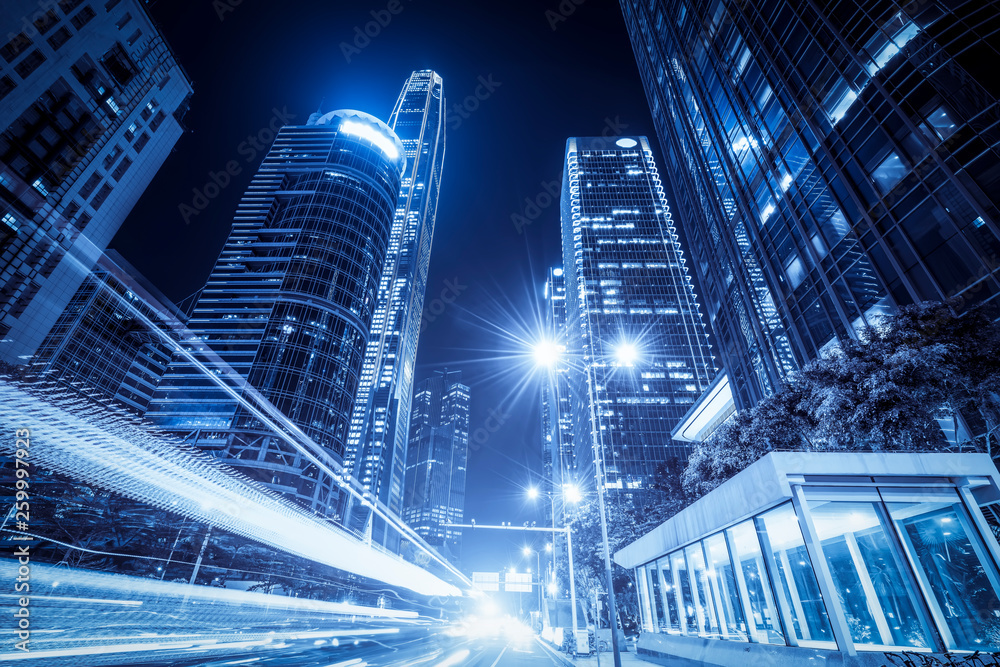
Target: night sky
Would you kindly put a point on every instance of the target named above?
(248, 59)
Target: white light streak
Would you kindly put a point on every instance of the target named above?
(160, 471)
(456, 658)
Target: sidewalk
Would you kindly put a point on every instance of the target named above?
(607, 659)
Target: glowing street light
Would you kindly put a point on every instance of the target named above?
(526, 551)
(626, 353)
(571, 492)
(532, 492)
(547, 353)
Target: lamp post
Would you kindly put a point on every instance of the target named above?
(526, 552)
(547, 354)
(626, 354)
(571, 494)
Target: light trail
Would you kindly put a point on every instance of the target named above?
(222, 375)
(213, 619)
(122, 458)
(59, 598)
(458, 657)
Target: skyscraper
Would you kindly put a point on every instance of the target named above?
(92, 102)
(828, 162)
(558, 452)
(289, 304)
(436, 458)
(102, 339)
(638, 353)
(376, 440)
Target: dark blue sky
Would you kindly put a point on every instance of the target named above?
(248, 59)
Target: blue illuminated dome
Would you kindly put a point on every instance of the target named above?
(368, 127)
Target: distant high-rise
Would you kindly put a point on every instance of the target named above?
(434, 492)
(289, 304)
(376, 440)
(91, 100)
(102, 339)
(637, 351)
(558, 452)
(828, 162)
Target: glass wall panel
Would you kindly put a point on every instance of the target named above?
(722, 585)
(867, 575)
(644, 609)
(796, 580)
(683, 586)
(655, 598)
(708, 623)
(764, 623)
(953, 566)
(669, 597)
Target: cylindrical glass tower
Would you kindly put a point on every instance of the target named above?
(289, 304)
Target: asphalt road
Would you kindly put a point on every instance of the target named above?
(408, 647)
(429, 650)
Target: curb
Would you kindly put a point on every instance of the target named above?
(554, 653)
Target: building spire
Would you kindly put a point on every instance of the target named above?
(314, 117)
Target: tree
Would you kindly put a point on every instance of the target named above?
(885, 391)
(629, 518)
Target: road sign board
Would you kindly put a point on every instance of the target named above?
(517, 582)
(486, 581)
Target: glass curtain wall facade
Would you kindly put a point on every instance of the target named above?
(436, 461)
(91, 102)
(379, 427)
(829, 161)
(289, 304)
(558, 452)
(558, 445)
(107, 337)
(895, 566)
(637, 351)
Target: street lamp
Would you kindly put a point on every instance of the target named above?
(526, 552)
(626, 353)
(547, 353)
(571, 494)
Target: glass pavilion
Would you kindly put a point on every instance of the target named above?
(840, 552)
